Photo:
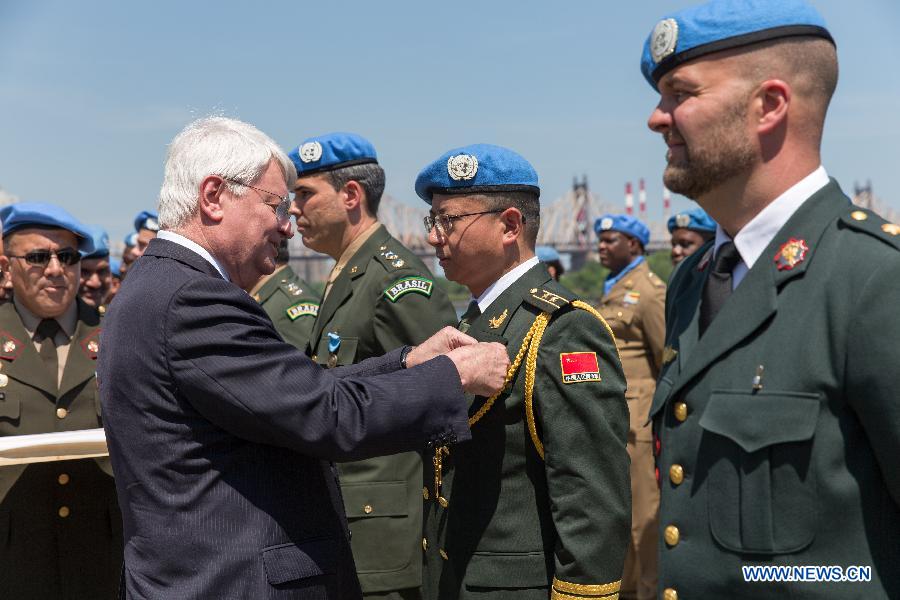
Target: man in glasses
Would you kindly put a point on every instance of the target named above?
(537, 505)
(378, 297)
(96, 277)
(60, 521)
(220, 432)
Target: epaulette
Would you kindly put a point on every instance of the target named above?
(655, 280)
(10, 347)
(290, 288)
(90, 344)
(869, 222)
(390, 259)
(548, 301)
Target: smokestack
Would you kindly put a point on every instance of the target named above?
(667, 204)
(629, 199)
(642, 199)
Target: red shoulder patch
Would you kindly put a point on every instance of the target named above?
(90, 344)
(10, 347)
(579, 367)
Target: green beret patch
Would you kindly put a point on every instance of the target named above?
(417, 285)
(302, 309)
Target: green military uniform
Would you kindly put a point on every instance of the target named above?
(291, 304)
(384, 298)
(779, 428)
(60, 525)
(509, 521)
(635, 310)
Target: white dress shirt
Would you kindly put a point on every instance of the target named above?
(756, 235)
(179, 239)
(500, 286)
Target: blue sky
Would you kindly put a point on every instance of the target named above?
(91, 92)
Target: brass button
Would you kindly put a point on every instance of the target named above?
(443, 554)
(424, 544)
(676, 474)
(315, 358)
(425, 493)
(670, 594)
(681, 411)
(858, 215)
(672, 535)
(61, 413)
(443, 502)
(368, 509)
(619, 314)
(64, 511)
(63, 478)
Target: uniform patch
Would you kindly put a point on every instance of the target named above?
(497, 321)
(407, 285)
(792, 253)
(302, 309)
(578, 367)
(632, 297)
(91, 344)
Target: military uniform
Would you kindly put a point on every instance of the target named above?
(779, 428)
(60, 525)
(382, 299)
(291, 304)
(538, 503)
(635, 310)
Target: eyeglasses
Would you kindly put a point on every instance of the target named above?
(41, 258)
(444, 223)
(284, 202)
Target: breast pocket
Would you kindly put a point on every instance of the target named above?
(345, 354)
(757, 449)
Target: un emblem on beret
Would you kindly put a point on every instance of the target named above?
(682, 220)
(310, 152)
(462, 167)
(606, 223)
(663, 40)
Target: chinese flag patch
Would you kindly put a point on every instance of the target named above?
(578, 367)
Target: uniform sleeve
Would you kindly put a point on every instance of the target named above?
(653, 321)
(231, 367)
(409, 309)
(584, 425)
(873, 376)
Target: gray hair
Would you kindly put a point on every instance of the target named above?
(220, 146)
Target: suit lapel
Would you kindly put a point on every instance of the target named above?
(756, 299)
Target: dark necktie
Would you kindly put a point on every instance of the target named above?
(46, 335)
(472, 313)
(718, 285)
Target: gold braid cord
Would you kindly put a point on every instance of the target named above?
(540, 323)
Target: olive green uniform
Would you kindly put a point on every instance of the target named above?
(291, 304)
(507, 523)
(383, 298)
(60, 525)
(779, 428)
(635, 310)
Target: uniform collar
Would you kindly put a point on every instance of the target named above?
(755, 236)
(30, 321)
(351, 250)
(498, 287)
(258, 288)
(612, 280)
(177, 238)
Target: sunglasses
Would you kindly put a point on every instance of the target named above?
(41, 258)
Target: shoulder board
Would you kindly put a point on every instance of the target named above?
(548, 300)
(655, 280)
(390, 258)
(869, 222)
(90, 344)
(302, 309)
(409, 285)
(10, 347)
(290, 288)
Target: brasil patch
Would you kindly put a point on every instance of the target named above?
(416, 285)
(578, 367)
(302, 309)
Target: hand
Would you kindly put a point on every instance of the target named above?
(482, 367)
(442, 342)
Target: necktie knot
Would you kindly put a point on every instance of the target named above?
(47, 330)
(472, 313)
(727, 258)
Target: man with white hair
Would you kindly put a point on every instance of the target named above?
(221, 434)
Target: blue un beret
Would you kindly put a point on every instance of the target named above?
(723, 24)
(146, 220)
(332, 151)
(475, 169)
(115, 267)
(39, 214)
(624, 224)
(546, 253)
(131, 239)
(695, 219)
(100, 241)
